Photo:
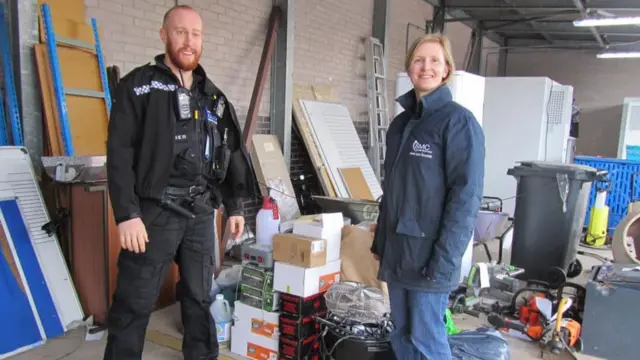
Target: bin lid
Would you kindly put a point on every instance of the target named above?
(549, 168)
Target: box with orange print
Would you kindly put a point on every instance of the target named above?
(305, 282)
(255, 333)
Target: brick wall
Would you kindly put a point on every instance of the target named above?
(233, 37)
(328, 48)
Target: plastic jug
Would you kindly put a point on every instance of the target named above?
(221, 313)
(267, 222)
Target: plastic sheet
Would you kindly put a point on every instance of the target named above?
(480, 344)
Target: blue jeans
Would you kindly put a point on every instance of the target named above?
(420, 331)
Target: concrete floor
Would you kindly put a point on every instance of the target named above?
(73, 346)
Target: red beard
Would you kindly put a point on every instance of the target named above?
(183, 65)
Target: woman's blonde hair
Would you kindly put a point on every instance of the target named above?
(446, 47)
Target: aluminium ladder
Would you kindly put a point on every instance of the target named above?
(378, 105)
(56, 74)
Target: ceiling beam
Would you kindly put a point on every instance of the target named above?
(526, 18)
(461, 14)
(531, 24)
(539, 18)
(508, 32)
(580, 6)
(559, 44)
(543, 5)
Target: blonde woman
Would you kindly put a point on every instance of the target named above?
(432, 193)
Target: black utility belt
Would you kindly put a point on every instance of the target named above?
(185, 192)
(186, 200)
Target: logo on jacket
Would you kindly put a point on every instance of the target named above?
(423, 150)
(211, 117)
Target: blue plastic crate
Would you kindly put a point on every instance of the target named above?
(619, 196)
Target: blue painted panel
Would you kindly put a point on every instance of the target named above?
(19, 327)
(32, 271)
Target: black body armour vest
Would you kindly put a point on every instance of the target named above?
(198, 145)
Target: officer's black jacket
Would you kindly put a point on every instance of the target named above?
(140, 142)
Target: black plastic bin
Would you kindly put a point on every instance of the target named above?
(547, 230)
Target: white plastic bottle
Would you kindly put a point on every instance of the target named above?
(267, 222)
(221, 313)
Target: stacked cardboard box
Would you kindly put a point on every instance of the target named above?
(256, 288)
(307, 263)
(255, 332)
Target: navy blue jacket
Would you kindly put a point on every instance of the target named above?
(434, 176)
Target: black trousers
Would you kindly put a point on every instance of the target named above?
(190, 242)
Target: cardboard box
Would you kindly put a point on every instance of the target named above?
(299, 250)
(255, 333)
(327, 227)
(300, 349)
(304, 282)
(314, 305)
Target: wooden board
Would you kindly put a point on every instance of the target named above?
(315, 92)
(87, 115)
(88, 118)
(69, 9)
(50, 118)
(356, 184)
(68, 18)
(88, 121)
(272, 171)
(68, 29)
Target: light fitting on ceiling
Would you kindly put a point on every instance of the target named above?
(618, 55)
(613, 21)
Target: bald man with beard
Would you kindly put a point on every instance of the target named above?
(174, 155)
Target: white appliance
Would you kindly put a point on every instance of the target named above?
(468, 90)
(525, 119)
(629, 128)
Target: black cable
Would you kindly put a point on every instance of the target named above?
(378, 331)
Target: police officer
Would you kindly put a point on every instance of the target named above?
(174, 154)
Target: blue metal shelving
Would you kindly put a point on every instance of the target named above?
(10, 89)
(60, 91)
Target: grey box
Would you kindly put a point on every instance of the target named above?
(612, 313)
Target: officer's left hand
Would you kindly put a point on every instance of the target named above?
(236, 226)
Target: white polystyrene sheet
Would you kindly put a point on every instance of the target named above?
(329, 154)
(339, 142)
(17, 179)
